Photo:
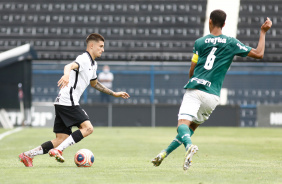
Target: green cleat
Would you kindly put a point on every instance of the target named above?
(159, 158)
(188, 156)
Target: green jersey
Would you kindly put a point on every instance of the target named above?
(215, 55)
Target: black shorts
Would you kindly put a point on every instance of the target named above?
(67, 117)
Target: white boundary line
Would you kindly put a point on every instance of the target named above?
(10, 132)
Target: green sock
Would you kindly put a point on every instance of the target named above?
(191, 132)
(173, 145)
(185, 134)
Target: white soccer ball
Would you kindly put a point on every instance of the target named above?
(84, 158)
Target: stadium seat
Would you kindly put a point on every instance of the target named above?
(71, 20)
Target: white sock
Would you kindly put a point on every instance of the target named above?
(66, 143)
(36, 151)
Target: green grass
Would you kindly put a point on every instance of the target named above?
(3, 130)
(122, 155)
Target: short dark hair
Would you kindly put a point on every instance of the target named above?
(95, 37)
(218, 18)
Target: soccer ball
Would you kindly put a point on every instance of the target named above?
(84, 158)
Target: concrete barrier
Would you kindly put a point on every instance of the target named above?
(269, 115)
(43, 114)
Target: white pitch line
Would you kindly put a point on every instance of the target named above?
(10, 132)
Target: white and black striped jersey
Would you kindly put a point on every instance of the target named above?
(78, 81)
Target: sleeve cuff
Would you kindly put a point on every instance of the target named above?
(78, 65)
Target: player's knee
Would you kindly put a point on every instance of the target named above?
(89, 129)
(86, 128)
(184, 121)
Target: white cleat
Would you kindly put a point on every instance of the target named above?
(188, 156)
(159, 158)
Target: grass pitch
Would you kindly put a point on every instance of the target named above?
(122, 155)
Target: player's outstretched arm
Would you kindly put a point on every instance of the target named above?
(258, 53)
(65, 78)
(100, 87)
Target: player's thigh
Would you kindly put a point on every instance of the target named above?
(209, 103)
(60, 127)
(190, 106)
(72, 115)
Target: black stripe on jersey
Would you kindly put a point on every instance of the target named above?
(92, 62)
(78, 65)
(93, 79)
(76, 78)
(72, 103)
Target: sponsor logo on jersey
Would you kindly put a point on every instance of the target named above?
(242, 47)
(215, 40)
(201, 81)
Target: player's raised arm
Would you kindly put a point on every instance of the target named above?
(100, 87)
(258, 53)
(65, 78)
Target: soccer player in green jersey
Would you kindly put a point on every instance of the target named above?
(212, 57)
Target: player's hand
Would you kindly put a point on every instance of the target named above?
(63, 82)
(266, 25)
(121, 94)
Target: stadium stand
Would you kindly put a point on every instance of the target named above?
(251, 15)
(134, 31)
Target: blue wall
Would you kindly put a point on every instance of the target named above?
(248, 84)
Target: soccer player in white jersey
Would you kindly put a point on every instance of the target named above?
(77, 76)
(213, 55)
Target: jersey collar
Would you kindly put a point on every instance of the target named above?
(92, 61)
